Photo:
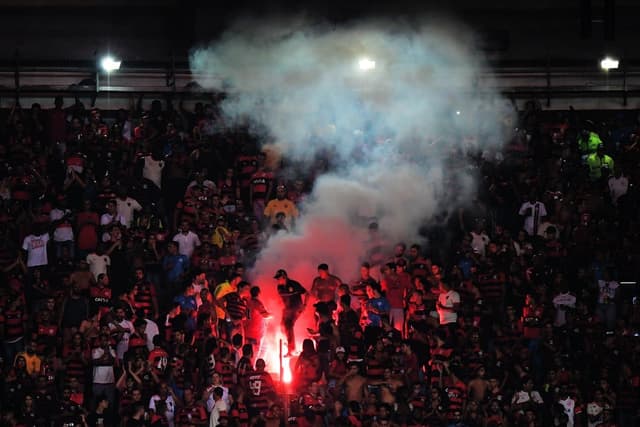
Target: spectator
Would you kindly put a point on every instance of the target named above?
(607, 300)
(260, 188)
(164, 404)
(325, 285)
(447, 307)
(588, 142)
(599, 164)
(526, 399)
(294, 297)
(255, 327)
(111, 217)
(126, 207)
(36, 246)
(359, 286)
(540, 305)
(219, 294)
(533, 211)
(219, 408)
(375, 312)
(187, 240)
(280, 206)
(175, 266)
(103, 359)
(122, 329)
(152, 171)
(101, 416)
(98, 262)
(395, 283)
(87, 223)
(618, 185)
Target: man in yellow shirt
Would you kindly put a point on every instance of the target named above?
(281, 205)
(599, 164)
(224, 288)
(588, 142)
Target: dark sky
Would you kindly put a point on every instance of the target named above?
(150, 31)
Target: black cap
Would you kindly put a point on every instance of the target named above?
(324, 267)
(280, 273)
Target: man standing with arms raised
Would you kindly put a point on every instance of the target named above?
(294, 298)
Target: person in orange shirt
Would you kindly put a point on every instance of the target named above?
(281, 205)
(32, 360)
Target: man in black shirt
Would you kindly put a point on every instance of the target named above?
(137, 418)
(294, 297)
(101, 417)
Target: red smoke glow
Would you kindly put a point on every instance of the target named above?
(319, 240)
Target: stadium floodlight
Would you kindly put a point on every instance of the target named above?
(608, 63)
(366, 64)
(109, 64)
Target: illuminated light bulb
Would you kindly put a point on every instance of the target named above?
(609, 63)
(109, 64)
(366, 64)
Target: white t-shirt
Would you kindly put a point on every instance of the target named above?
(123, 344)
(607, 291)
(218, 407)
(618, 187)
(108, 219)
(102, 374)
(64, 231)
(524, 397)
(225, 397)
(561, 301)
(126, 208)
(532, 221)
(187, 243)
(448, 299)
(153, 170)
(151, 331)
(36, 247)
(569, 406)
(98, 263)
(170, 404)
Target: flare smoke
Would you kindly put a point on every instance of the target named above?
(396, 142)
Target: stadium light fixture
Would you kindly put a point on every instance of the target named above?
(608, 63)
(366, 64)
(109, 64)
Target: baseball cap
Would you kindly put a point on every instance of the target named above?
(340, 350)
(280, 273)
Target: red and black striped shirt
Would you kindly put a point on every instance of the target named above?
(261, 391)
(240, 414)
(143, 299)
(190, 415)
(13, 322)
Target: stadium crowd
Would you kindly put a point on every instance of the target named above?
(124, 247)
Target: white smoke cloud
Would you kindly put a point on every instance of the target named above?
(391, 130)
